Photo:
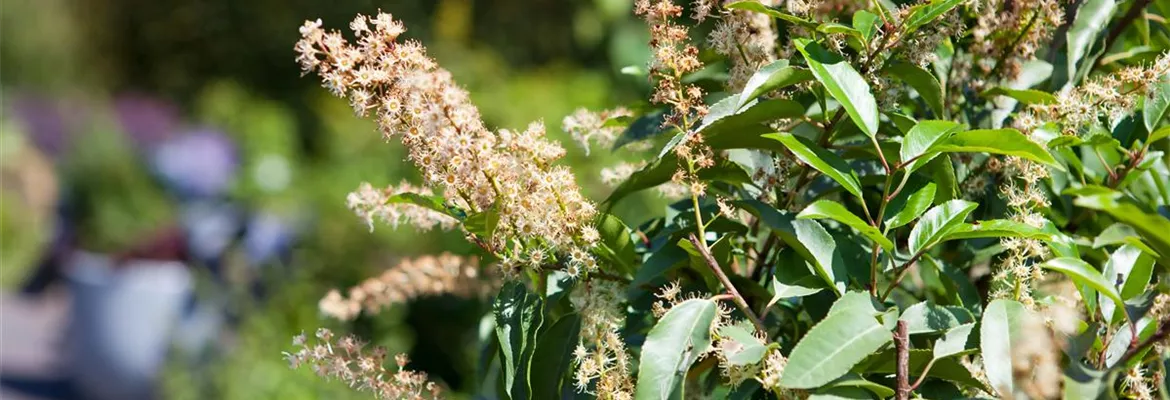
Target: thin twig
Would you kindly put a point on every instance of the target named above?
(739, 300)
(1159, 335)
(902, 348)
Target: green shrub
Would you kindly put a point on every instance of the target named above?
(946, 199)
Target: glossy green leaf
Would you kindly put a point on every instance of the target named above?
(661, 261)
(907, 207)
(843, 83)
(840, 393)
(1152, 227)
(739, 347)
(1001, 326)
(835, 211)
(938, 222)
(553, 357)
(660, 171)
(923, 14)
(1133, 268)
(1159, 134)
(1026, 96)
(918, 144)
(832, 347)
(808, 238)
(675, 342)
(776, 75)
(954, 341)
(482, 223)
(820, 159)
(996, 228)
(1083, 274)
(782, 291)
(1156, 105)
(922, 81)
(856, 301)
(947, 368)
(519, 316)
(959, 286)
(1091, 19)
(867, 23)
(926, 317)
(616, 244)
(434, 203)
(756, 6)
(852, 380)
(1008, 142)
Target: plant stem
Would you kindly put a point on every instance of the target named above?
(902, 348)
(739, 300)
(1160, 335)
(902, 273)
(922, 377)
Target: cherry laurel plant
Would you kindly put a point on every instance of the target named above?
(875, 199)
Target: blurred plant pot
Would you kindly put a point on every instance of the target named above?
(122, 321)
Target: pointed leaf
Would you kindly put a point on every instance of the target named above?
(1083, 274)
(756, 6)
(820, 159)
(866, 23)
(1001, 325)
(782, 291)
(1026, 96)
(926, 317)
(997, 228)
(553, 356)
(675, 342)
(776, 75)
(923, 14)
(937, 222)
(905, 208)
(1156, 105)
(1090, 20)
(922, 81)
(832, 347)
(953, 342)
(739, 346)
(837, 212)
(843, 83)
(1008, 142)
(519, 315)
(918, 145)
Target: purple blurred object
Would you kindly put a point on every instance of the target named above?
(196, 164)
(268, 236)
(47, 121)
(146, 120)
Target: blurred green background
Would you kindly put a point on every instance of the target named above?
(75, 72)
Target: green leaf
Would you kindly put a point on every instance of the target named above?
(996, 228)
(922, 81)
(820, 159)
(923, 14)
(1155, 107)
(926, 317)
(852, 380)
(866, 23)
(945, 368)
(776, 75)
(1152, 227)
(843, 83)
(661, 261)
(1008, 142)
(1026, 96)
(959, 286)
(739, 347)
(808, 238)
(856, 301)
(1159, 134)
(1084, 383)
(1002, 323)
(519, 315)
(782, 291)
(434, 203)
(675, 342)
(755, 6)
(616, 244)
(905, 208)
(837, 212)
(1092, 17)
(918, 144)
(954, 341)
(1133, 268)
(553, 356)
(660, 171)
(1083, 274)
(840, 393)
(832, 347)
(937, 222)
(482, 224)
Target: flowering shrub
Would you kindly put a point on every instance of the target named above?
(940, 199)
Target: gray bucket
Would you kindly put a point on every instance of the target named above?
(121, 325)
